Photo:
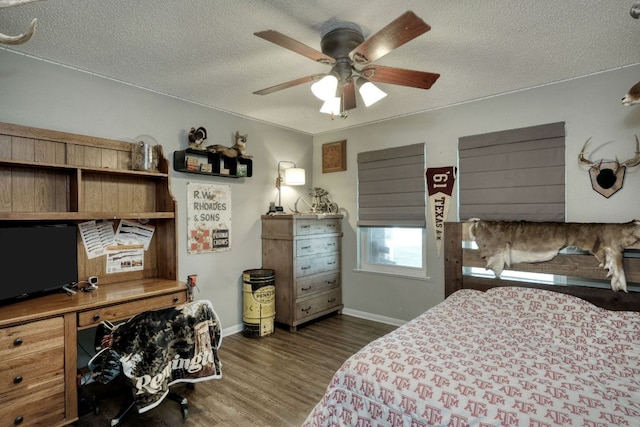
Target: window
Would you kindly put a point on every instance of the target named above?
(393, 250)
(391, 210)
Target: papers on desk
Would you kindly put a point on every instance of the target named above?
(124, 248)
(96, 237)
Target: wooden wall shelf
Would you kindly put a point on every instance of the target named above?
(235, 167)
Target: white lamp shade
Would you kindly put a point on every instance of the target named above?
(325, 88)
(370, 93)
(294, 176)
(331, 106)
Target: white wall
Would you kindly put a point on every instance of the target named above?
(40, 94)
(590, 106)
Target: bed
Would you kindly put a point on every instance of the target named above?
(501, 352)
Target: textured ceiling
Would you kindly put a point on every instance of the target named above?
(204, 51)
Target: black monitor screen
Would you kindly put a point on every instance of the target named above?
(37, 259)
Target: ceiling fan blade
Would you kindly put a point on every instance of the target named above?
(288, 84)
(349, 96)
(295, 46)
(399, 76)
(405, 28)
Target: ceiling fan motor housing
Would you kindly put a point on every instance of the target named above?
(338, 44)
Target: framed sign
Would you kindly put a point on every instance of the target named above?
(334, 156)
(208, 218)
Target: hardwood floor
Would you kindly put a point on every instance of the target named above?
(270, 381)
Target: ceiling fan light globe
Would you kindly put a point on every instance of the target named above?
(331, 106)
(325, 88)
(370, 93)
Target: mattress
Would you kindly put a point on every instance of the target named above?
(506, 357)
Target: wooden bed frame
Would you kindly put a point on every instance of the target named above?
(583, 266)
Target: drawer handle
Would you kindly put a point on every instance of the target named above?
(176, 299)
(17, 341)
(306, 309)
(17, 380)
(305, 226)
(305, 289)
(331, 263)
(306, 267)
(18, 420)
(332, 300)
(305, 247)
(96, 316)
(331, 282)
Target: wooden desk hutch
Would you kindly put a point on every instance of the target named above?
(55, 177)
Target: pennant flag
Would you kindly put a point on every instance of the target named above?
(440, 183)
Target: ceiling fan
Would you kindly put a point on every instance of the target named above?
(351, 59)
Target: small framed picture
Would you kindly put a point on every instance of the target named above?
(334, 156)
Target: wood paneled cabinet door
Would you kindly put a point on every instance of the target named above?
(305, 253)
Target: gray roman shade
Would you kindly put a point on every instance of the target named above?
(516, 174)
(391, 187)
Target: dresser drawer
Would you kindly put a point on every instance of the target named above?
(323, 245)
(305, 227)
(43, 407)
(21, 375)
(34, 337)
(318, 283)
(129, 309)
(316, 264)
(317, 304)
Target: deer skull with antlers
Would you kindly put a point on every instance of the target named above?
(22, 38)
(607, 177)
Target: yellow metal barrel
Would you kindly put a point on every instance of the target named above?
(258, 302)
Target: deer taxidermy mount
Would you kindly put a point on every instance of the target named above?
(22, 38)
(351, 58)
(635, 10)
(633, 96)
(607, 177)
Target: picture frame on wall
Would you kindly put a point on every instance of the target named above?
(334, 156)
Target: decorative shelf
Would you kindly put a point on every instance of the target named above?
(194, 161)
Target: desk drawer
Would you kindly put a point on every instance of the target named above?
(43, 407)
(324, 301)
(129, 309)
(34, 337)
(22, 375)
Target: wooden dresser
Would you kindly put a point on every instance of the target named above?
(55, 177)
(305, 253)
